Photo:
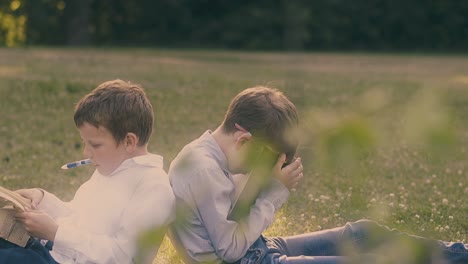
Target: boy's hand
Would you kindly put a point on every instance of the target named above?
(38, 224)
(289, 175)
(35, 195)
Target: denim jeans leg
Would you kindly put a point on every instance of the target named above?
(327, 242)
(277, 258)
(385, 241)
(454, 252)
(322, 247)
(363, 239)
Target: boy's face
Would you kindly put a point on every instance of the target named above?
(251, 154)
(100, 146)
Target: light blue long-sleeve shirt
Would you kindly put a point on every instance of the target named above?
(205, 191)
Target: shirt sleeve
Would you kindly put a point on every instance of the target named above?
(53, 206)
(231, 239)
(151, 207)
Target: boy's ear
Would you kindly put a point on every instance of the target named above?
(242, 139)
(130, 142)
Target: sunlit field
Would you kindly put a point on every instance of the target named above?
(383, 137)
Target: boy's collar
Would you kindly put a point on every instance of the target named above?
(148, 160)
(217, 151)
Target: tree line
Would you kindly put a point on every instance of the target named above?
(432, 25)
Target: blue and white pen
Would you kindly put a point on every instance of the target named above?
(76, 164)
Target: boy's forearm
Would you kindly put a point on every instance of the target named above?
(230, 239)
(52, 205)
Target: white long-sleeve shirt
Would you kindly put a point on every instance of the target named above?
(102, 222)
(205, 191)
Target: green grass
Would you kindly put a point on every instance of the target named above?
(383, 136)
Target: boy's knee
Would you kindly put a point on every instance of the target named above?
(361, 229)
(363, 224)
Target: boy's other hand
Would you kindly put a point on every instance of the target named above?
(38, 224)
(289, 175)
(35, 195)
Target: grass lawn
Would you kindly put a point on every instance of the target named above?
(383, 137)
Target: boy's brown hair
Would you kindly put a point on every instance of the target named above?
(121, 107)
(264, 112)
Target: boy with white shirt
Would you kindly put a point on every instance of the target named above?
(109, 211)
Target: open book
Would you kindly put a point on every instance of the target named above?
(10, 229)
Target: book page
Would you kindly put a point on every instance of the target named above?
(18, 234)
(19, 201)
(12, 230)
(7, 221)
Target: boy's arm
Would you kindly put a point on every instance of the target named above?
(45, 201)
(152, 206)
(211, 192)
(53, 206)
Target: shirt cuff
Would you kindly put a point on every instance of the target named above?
(277, 194)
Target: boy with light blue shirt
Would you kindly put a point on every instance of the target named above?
(207, 176)
(128, 193)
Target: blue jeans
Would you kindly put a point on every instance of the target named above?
(363, 241)
(34, 252)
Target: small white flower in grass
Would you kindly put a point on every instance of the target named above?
(428, 181)
(392, 195)
(447, 227)
(373, 200)
(445, 201)
(417, 216)
(313, 217)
